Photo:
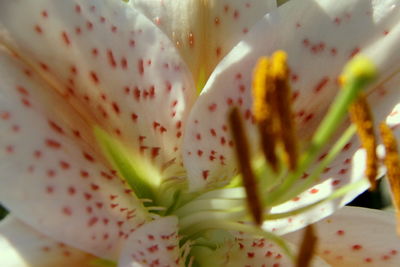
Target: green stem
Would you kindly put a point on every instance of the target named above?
(290, 192)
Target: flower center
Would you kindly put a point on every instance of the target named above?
(206, 219)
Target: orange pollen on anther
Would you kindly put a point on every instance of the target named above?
(243, 159)
(265, 110)
(392, 163)
(272, 101)
(280, 72)
(361, 116)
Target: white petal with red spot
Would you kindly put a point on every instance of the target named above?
(319, 37)
(244, 250)
(52, 178)
(317, 193)
(357, 236)
(154, 244)
(22, 246)
(204, 31)
(115, 65)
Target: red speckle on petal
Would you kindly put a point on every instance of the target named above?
(38, 29)
(314, 191)
(95, 51)
(124, 63)
(64, 165)
(212, 107)
(77, 8)
(71, 190)
(155, 151)
(111, 59)
(141, 66)
(55, 127)
(205, 174)
(52, 143)
(92, 221)
(94, 187)
(134, 117)
(89, 25)
(321, 84)
(340, 232)
(49, 189)
(67, 211)
(94, 77)
(116, 107)
(44, 14)
(88, 157)
(65, 38)
(236, 14)
(84, 174)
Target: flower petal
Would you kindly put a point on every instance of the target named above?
(153, 244)
(115, 66)
(245, 250)
(22, 246)
(313, 33)
(205, 30)
(317, 193)
(357, 236)
(52, 178)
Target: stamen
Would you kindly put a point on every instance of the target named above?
(361, 116)
(280, 73)
(307, 248)
(265, 110)
(243, 157)
(357, 75)
(392, 163)
(272, 108)
(261, 84)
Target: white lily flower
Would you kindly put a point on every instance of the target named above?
(106, 146)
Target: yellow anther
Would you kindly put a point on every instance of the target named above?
(260, 84)
(392, 163)
(265, 109)
(361, 116)
(243, 158)
(272, 108)
(287, 132)
(307, 248)
(359, 68)
(279, 67)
